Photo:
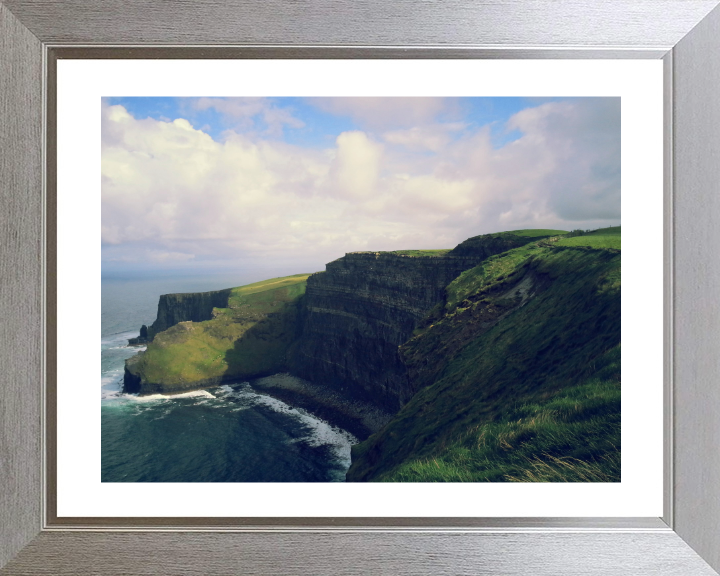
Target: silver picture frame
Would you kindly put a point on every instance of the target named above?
(685, 34)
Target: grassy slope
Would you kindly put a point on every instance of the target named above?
(532, 395)
(250, 337)
(602, 238)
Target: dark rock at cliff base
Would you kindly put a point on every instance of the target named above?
(132, 382)
(142, 339)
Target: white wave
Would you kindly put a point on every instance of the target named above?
(111, 384)
(110, 378)
(225, 388)
(119, 338)
(146, 399)
(129, 348)
(194, 394)
(164, 397)
(321, 433)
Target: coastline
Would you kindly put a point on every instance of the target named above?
(358, 417)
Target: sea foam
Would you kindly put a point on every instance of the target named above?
(164, 397)
(320, 432)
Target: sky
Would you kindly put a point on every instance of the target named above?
(197, 184)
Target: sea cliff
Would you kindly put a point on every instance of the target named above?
(221, 336)
(360, 310)
(515, 378)
(344, 333)
(498, 360)
(190, 307)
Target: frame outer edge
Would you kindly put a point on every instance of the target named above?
(668, 292)
(20, 284)
(696, 110)
(371, 22)
(351, 554)
(20, 250)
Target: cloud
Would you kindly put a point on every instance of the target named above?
(355, 169)
(160, 256)
(434, 137)
(246, 112)
(575, 148)
(173, 195)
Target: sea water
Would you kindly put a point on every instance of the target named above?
(230, 433)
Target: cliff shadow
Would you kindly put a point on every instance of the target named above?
(263, 348)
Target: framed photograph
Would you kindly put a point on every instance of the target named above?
(345, 104)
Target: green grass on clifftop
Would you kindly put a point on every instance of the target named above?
(250, 337)
(421, 253)
(602, 238)
(517, 376)
(536, 232)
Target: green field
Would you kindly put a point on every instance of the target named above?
(602, 238)
(535, 233)
(517, 376)
(611, 231)
(249, 337)
(421, 253)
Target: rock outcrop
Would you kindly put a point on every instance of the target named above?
(142, 339)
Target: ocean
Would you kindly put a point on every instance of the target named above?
(230, 433)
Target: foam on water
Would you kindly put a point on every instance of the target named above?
(320, 433)
(120, 339)
(164, 397)
(114, 350)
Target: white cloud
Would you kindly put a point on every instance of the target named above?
(433, 137)
(356, 167)
(172, 194)
(245, 111)
(575, 149)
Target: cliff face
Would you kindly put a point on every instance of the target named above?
(194, 307)
(360, 310)
(350, 324)
(366, 304)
